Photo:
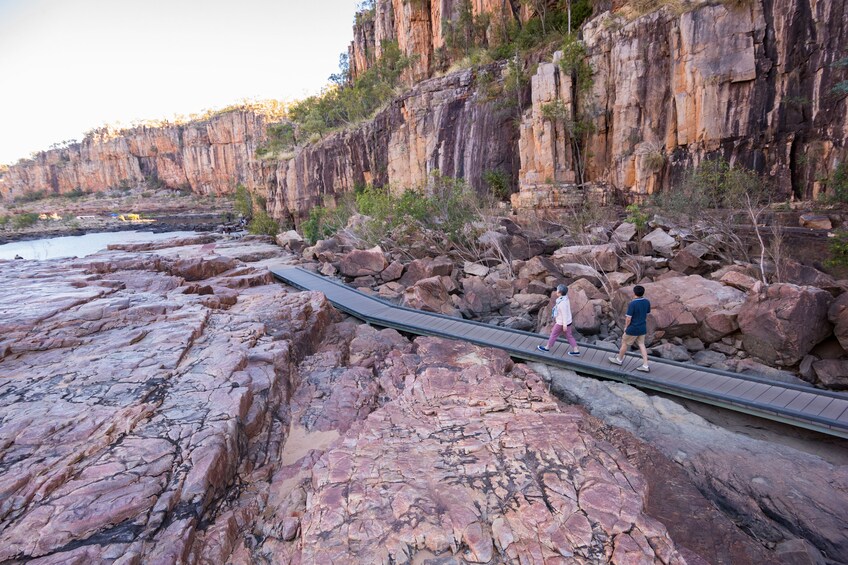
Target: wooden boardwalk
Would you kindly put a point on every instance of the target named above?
(802, 406)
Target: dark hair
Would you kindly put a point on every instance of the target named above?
(562, 289)
(639, 290)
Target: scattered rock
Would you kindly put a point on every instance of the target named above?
(660, 241)
(475, 269)
(624, 232)
(689, 260)
(832, 373)
(739, 280)
(837, 314)
(784, 322)
(815, 221)
(709, 358)
(392, 272)
(672, 352)
(751, 367)
(430, 295)
(363, 262)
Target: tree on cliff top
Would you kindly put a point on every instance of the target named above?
(340, 105)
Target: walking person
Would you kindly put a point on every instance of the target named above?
(562, 319)
(635, 328)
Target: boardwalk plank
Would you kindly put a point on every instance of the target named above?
(801, 402)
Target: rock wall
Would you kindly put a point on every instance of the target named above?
(419, 27)
(208, 157)
(443, 124)
(753, 83)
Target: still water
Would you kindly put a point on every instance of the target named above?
(79, 245)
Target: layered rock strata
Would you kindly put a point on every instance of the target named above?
(753, 83)
(207, 157)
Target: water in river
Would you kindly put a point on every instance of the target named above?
(79, 245)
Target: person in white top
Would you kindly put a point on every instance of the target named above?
(562, 320)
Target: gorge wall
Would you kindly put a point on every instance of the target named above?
(753, 82)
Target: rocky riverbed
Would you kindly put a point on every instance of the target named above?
(157, 211)
(171, 403)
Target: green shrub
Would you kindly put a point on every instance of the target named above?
(281, 137)
(4, 220)
(637, 217)
(25, 220)
(341, 105)
(263, 224)
(838, 248)
(243, 201)
(498, 183)
(837, 184)
(76, 193)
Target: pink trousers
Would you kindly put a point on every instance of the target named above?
(555, 333)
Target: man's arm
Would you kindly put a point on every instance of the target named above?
(627, 321)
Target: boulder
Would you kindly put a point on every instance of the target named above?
(324, 250)
(587, 313)
(689, 260)
(660, 241)
(392, 272)
(739, 280)
(430, 295)
(480, 298)
(426, 268)
(805, 275)
(783, 322)
(753, 368)
(291, 240)
(591, 291)
(815, 221)
(537, 268)
(475, 269)
(672, 352)
(619, 279)
(837, 314)
(601, 257)
(580, 271)
(708, 358)
(686, 306)
(832, 373)
(528, 302)
(805, 368)
(363, 262)
(624, 232)
(390, 291)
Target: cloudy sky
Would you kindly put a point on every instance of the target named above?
(68, 66)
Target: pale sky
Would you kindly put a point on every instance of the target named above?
(67, 66)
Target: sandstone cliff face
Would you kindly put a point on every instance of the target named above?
(209, 157)
(443, 125)
(752, 83)
(419, 28)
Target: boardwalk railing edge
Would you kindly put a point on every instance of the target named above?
(788, 416)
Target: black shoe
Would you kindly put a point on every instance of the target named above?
(574, 353)
(541, 348)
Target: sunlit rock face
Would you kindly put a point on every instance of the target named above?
(445, 125)
(207, 157)
(753, 83)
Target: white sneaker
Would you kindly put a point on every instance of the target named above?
(643, 368)
(615, 360)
